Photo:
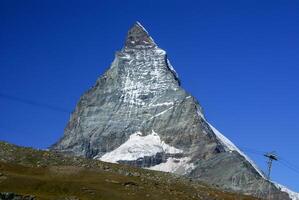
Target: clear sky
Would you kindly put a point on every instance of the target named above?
(240, 59)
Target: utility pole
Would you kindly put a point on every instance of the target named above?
(271, 156)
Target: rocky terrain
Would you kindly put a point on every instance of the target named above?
(137, 113)
(14, 196)
(28, 174)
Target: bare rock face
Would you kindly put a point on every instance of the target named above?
(138, 114)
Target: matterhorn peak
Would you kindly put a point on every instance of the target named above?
(138, 114)
(139, 38)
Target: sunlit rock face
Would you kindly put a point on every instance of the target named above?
(138, 114)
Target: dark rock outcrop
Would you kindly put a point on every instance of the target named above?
(14, 196)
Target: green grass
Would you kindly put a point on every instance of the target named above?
(50, 175)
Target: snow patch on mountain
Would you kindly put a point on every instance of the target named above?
(139, 146)
(161, 104)
(229, 146)
(199, 113)
(161, 113)
(172, 69)
(292, 195)
(175, 165)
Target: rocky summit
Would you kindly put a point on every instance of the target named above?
(137, 113)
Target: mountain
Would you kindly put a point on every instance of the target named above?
(138, 114)
(29, 174)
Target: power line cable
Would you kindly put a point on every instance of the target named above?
(34, 103)
(289, 166)
(289, 163)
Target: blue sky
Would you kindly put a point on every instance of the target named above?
(238, 58)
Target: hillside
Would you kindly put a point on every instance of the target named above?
(51, 175)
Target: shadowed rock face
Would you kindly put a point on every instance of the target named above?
(141, 92)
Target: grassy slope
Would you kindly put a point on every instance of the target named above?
(49, 175)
